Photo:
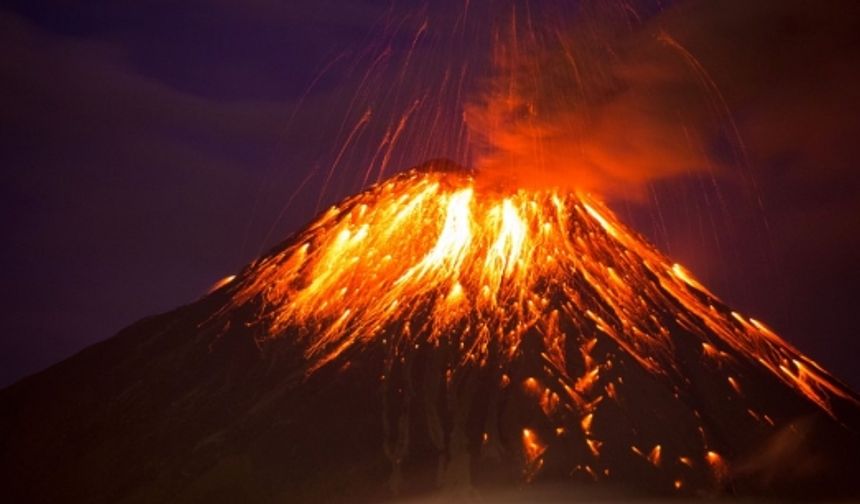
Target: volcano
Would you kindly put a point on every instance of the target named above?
(432, 336)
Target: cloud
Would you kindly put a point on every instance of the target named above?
(114, 186)
(608, 100)
(595, 101)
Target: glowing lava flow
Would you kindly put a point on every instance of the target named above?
(431, 262)
(484, 268)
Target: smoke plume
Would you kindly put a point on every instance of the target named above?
(606, 98)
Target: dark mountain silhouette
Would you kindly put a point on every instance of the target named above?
(433, 338)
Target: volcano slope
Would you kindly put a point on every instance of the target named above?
(433, 337)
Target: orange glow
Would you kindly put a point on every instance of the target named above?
(221, 283)
(654, 456)
(533, 448)
(735, 385)
(594, 446)
(584, 383)
(599, 218)
(549, 402)
(610, 390)
(486, 265)
(687, 278)
(532, 386)
(586, 422)
(710, 351)
(719, 467)
(532, 445)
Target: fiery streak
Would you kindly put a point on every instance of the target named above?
(533, 448)
(429, 257)
(594, 446)
(654, 455)
(221, 283)
(586, 422)
(719, 467)
(430, 260)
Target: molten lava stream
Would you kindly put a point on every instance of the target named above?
(429, 260)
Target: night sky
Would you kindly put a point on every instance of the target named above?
(149, 150)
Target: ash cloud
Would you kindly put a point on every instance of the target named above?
(616, 98)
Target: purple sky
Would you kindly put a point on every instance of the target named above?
(149, 149)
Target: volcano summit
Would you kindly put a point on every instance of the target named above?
(431, 335)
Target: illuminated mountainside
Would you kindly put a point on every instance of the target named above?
(432, 334)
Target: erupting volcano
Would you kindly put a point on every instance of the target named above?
(433, 334)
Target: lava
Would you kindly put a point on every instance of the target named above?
(433, 260)
(488, 266)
